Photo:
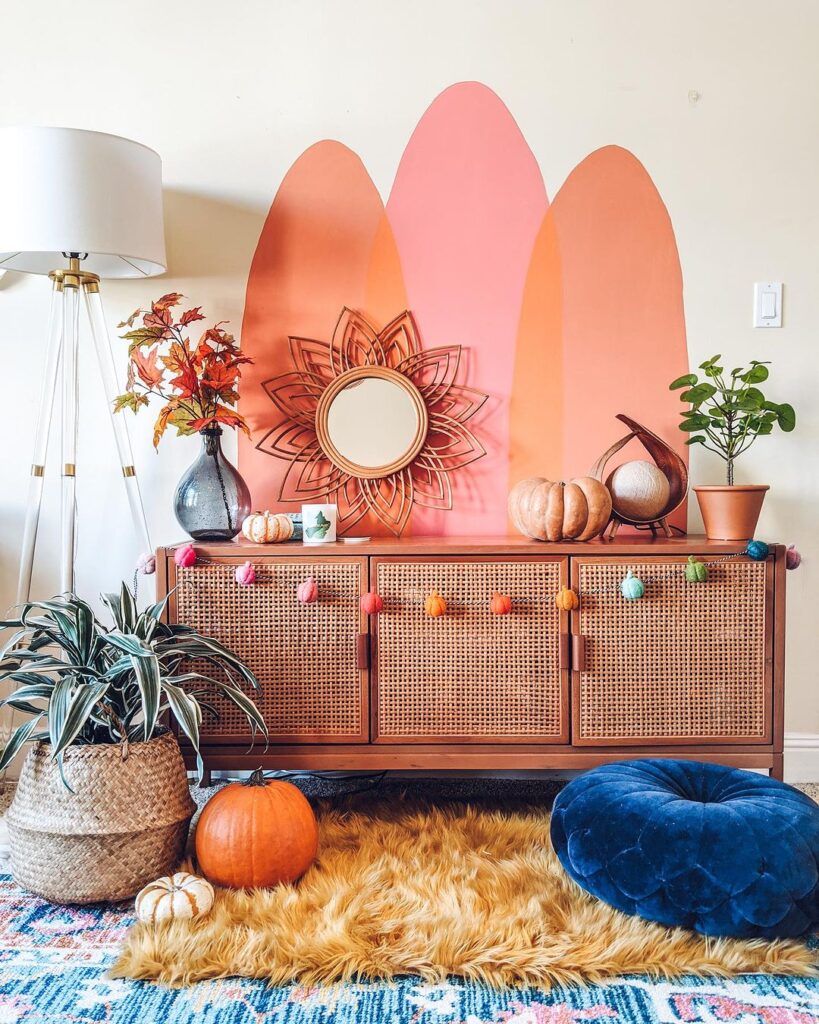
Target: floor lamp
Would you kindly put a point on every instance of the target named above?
(77, 206)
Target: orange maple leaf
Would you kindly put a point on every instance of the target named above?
(220, 377)
(221, 414)
(164, 303)
(186, 383)
(147, 367)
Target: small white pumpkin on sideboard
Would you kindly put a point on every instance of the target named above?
(267, 527)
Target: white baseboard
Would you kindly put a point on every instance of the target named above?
(801, 757)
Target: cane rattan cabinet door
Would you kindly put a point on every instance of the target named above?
(305, 656)
(469, 676)
(688, 663)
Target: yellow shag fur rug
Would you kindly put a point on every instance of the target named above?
(456, 890)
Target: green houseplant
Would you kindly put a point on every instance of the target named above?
(726, 414)
(103, 805)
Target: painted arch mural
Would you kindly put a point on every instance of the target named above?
(533, 290)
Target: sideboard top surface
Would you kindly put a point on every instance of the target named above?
(499, 545)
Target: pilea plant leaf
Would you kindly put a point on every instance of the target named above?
(726, 416)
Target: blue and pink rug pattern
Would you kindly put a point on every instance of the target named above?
(54, 960)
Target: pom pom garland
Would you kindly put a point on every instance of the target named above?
(631, 587)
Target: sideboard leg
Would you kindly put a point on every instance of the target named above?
(778, 769)
(207, 781)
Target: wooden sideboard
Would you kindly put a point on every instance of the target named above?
(691, 670)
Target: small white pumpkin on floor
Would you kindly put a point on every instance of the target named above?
(174, 898)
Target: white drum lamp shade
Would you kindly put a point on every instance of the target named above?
(67, 190)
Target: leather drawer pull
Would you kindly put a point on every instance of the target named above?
(578, 652)
(362, 659)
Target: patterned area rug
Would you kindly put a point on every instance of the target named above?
(54, 961)
(54, 964)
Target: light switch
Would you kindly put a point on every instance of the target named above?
(768, 304)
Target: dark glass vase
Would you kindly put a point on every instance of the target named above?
(212, 499)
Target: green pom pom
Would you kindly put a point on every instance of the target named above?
(757, 550)
(632, 587)
(696, 571)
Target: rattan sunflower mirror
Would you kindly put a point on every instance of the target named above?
(373, 422)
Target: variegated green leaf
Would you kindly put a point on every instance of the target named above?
(79, 710)
(146, 672)
(17, 740)
(189, 716)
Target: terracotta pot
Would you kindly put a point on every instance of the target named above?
(730, 512)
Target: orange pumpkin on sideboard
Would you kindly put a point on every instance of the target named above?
(256, 834)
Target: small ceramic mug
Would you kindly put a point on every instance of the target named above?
(319, 523)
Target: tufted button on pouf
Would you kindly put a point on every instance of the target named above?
(720, 850)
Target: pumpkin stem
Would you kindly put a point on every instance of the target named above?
(256, 778)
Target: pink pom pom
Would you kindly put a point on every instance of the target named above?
(146, 564)
(307, 592)
(245, 574)
(792, 558)
(185, 556)
(371, 603)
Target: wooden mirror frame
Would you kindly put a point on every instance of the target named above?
(323, 412)
(318, 472)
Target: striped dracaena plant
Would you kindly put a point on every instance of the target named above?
(81, 682)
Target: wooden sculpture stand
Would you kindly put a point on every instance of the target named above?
(691, 670)
(654, 527)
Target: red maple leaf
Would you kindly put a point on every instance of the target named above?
(159, 321)
(190, 315)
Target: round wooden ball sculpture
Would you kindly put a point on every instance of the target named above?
(256, 834)
(639, 490)
(643, 493)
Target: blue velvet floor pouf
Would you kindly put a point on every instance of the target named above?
(720, 850)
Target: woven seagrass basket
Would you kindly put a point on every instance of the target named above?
(124, 825)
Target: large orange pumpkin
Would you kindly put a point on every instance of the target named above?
(576, 509)
(256, 833)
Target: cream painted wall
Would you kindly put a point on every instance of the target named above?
(231, 94)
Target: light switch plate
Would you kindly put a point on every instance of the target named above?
(768, 304)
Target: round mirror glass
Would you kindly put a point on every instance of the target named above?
(373, 422)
